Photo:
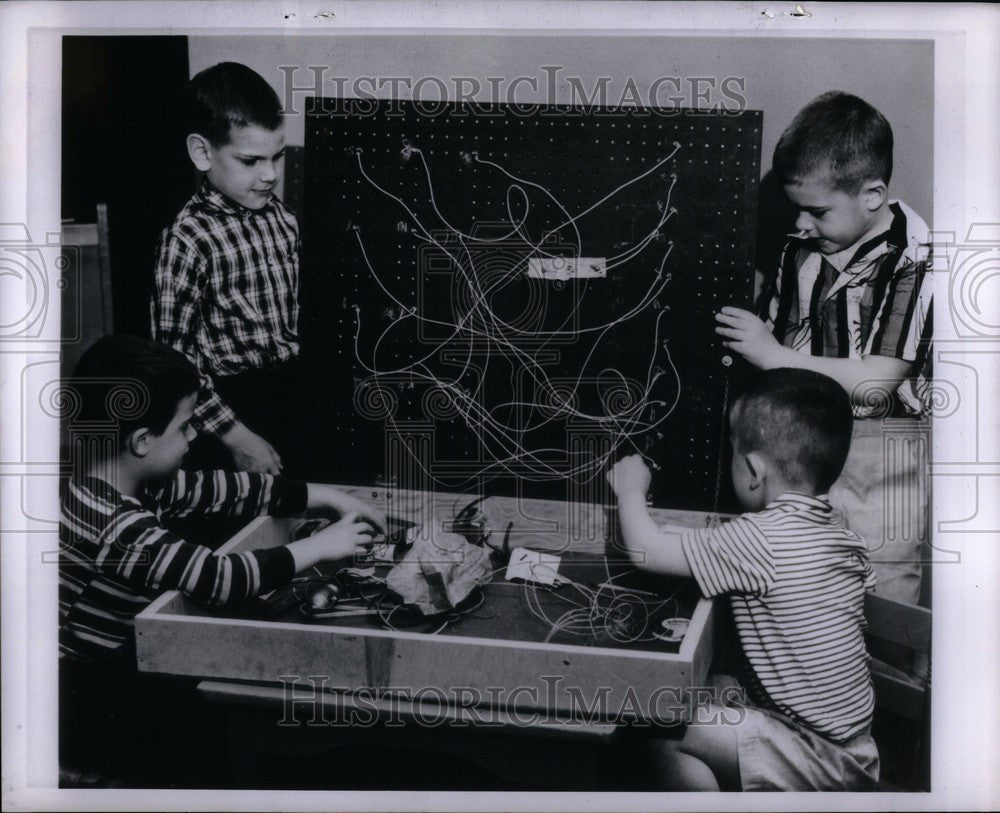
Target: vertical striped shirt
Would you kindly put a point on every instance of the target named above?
(116, 555)
(226, 292)
(872, 299)
(797, 582)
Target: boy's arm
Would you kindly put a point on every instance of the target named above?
(179, 277)
(242, 494)
(647, 546)
(138, 550)
(248, 495)
(747, 335)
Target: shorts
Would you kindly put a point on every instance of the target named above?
(882, 495)
(776, 753)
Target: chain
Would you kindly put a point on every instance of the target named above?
(713, 520)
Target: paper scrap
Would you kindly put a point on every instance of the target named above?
(533, 566)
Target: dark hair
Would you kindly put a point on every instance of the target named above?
(230, 95)
(801, 419)
(131, 382)
(838, 137)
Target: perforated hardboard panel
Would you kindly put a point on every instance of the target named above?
(508, 300)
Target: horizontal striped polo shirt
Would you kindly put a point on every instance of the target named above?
(797, 582)
(116, 555)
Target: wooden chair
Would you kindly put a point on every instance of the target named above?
(87, 307)
(899, 638)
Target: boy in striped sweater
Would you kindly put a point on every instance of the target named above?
(117, 552)
(796, 582)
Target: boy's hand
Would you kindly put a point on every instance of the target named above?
(630, 475)
(348, 537)
(749, 337)
(327, 497)
(250, 451)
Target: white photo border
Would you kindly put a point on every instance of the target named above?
(965, 747)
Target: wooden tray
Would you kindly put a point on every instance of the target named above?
(495, 667)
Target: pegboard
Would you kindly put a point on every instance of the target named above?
(506, 300)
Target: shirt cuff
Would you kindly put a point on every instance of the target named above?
(215, 417)
(288, 497)
(277, 567)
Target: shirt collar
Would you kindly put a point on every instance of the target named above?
(797, 501)
(214, 199)
(873, 243)
(103, 490)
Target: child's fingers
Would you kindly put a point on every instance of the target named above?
(727, 319)
(376, 519)
(729, 310)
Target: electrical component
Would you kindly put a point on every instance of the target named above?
(324, 599)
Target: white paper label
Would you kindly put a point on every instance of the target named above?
(533, 566)
(563, 268)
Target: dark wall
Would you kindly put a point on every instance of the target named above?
(122, 144)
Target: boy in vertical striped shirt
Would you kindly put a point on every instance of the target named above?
(852, 297)
(796, 582)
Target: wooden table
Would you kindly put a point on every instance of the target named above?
(294, 687)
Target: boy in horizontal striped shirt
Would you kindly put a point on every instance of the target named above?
(796, 582)
(136, 399)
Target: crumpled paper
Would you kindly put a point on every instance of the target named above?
(439, 571)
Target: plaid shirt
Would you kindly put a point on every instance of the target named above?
(226, 292)
(872, 299)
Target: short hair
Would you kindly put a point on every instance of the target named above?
(230, 95)
(800, 419)
(131, 382)
(839, 138)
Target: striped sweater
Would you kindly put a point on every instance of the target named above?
(797, 582)
(116, 555)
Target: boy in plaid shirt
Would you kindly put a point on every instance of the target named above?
(226, 278)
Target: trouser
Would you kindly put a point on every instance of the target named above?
(142, 730)
(269, 402)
